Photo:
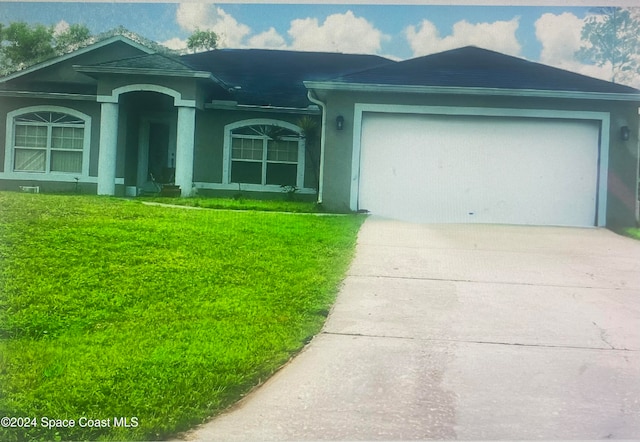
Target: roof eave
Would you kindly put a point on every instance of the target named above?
(47, 95)
(459, 90)
(234, 105)
(142, 71)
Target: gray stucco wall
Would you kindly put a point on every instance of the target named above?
(623, 155)
(92, 109)
(209, 143)
(136, 106)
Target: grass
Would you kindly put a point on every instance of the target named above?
(240, 204)
(113, 309)
(632, 232)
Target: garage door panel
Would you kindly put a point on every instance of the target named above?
(429, 168)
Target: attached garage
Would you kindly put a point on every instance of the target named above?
(439, 168)
(474, 136)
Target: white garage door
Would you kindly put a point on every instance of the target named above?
(461, 169)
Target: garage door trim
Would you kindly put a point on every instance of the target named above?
(602, 117)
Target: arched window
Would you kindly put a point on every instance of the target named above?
(48, 141)
(265, 153)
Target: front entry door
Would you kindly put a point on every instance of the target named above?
(157, 152)
(161, 164)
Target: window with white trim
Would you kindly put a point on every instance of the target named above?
(47, 141)
(265, 154)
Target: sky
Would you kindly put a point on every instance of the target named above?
(546, 34)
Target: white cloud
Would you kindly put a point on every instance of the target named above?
(206, 16)
(176, 44)
(560, 36)
(270, 39)
(499, 36)
(60, 27)
(338, 33)
(192, 16)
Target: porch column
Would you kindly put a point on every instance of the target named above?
(184, 149)
(108, 149)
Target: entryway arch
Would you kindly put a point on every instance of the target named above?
(185, 135)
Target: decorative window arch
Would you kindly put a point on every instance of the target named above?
(177, 96)
(47, 140)
(265, 154)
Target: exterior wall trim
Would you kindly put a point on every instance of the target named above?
(144, 87)
(143, 71)
(448, 90)
(48, 95)
(603, 117)
(234, 106)
(248, 187)
(53, 178)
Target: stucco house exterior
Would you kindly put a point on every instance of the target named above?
(467, 135)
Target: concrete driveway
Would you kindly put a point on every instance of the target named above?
(465, 332)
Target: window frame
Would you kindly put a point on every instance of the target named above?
(13, 122)
(228, 159)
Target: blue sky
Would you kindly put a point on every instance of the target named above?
(548, 34)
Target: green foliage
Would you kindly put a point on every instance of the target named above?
(612, 39)
(289, 191)
(110, 308)
(240, 204)
(202, 41)
(22, 44)
(632, 233)
(71, 38)
(309, 128)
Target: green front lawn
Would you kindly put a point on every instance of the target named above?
(113, 309)
(239, 204)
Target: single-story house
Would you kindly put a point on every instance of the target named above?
(466, 135)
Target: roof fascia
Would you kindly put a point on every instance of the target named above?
(80, 51)
(455, 90)
(48, 95)
(232, 105)
(143, 71)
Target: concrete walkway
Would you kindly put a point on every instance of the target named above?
(464, 332)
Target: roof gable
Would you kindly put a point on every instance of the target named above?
(99, 51)
(472, 67)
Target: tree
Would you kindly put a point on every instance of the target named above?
(22, 44)
(613, 39)
(202, 41)
(71, 38)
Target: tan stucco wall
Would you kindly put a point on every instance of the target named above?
(623, 156)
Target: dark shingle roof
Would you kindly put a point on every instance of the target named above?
(480, 68)
(150, 61)
(275, 78)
